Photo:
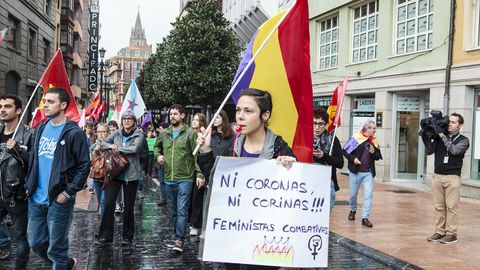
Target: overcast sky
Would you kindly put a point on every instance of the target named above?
(117, 18)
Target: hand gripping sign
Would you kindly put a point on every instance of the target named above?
(263, 214)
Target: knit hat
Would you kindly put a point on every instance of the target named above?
(128, 114)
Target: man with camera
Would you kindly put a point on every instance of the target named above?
(449, 152)
(13, 168)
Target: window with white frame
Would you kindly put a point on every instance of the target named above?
(414, 26)
(328, 43)
(477, 24)
(365, 24)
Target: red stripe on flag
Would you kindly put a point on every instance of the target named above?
(294, 38)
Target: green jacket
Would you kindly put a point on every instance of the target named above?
(180, 164)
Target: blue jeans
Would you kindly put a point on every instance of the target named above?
(4, 237)
(48, 228)
(356, 179)
(100, 196)
(178, 199)
(332, 196)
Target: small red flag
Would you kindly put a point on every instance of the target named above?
(99, 110)
(335, 108)
(92, 106)
(55, 76)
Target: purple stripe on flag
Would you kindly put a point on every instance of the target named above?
(351, 145)
(247, 78)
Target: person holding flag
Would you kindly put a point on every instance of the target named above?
(361, 151)
(326, 149)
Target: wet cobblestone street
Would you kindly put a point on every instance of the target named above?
(149, 251)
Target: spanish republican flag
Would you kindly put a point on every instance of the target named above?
(283, 68)
(335, 108)
(92, 106)
(55, 76)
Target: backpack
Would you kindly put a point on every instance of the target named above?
(98, 169)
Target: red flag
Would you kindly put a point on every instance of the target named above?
(92, 106)
(55, 76)
(99, 110)
(335, 108)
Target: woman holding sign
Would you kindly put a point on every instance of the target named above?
(254, 140)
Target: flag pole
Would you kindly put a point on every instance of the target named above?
(333, 140)
(25, 110)
(243, 74)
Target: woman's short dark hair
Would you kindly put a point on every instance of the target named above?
(225, 127)
(321, 113)
(262, 98)
(113, 123)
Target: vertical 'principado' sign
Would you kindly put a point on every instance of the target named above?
(93, 46)
(260, 213)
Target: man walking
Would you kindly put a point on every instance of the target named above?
(361, 151)
(449, 152)
(59, 166)
(173, 149)
(13, 168)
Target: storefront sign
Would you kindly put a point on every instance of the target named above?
(379, 119)
(363, 104)
(359, 118)
(261, 213)
(408, 103)
(322, 101)
(93, 46)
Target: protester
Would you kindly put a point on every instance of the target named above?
(90, 131)
(59, 166)
(199, 120)
(112, 126)
(161, 171)
(322, 142)
(150, 144)
(361, 151)
(255, 140)
(129, 142)
(14, 154)
(173, 148)
(449, 152)
(221, 144)
(100, 145)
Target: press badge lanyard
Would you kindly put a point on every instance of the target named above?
(445, 159)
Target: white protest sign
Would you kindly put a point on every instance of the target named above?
(260, 213)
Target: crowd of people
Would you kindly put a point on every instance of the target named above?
(43, 169)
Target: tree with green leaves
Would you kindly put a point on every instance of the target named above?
(196, 63)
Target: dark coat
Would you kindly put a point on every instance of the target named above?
(71, 162)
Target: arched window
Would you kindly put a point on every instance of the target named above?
(11, 82)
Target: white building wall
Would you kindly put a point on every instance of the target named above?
(283, 4)
(234, 10)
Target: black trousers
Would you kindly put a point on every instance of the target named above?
(108, 217)
(196, 219)
(19, 214)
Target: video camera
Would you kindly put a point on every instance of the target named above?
(432, 126)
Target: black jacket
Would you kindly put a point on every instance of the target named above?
(335, 160)
(24, 138)
(71, 162)
(357, 153)
(454, 147)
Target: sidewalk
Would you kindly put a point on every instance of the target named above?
(403, 218)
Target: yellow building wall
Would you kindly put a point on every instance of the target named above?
(464, 50)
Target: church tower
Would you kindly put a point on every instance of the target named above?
(137, 37)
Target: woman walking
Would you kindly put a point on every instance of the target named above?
(127, 141)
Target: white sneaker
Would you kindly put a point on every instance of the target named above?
(193, 231)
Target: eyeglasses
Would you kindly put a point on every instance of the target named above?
(127, 119)
(319, 124)
(102, 131)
